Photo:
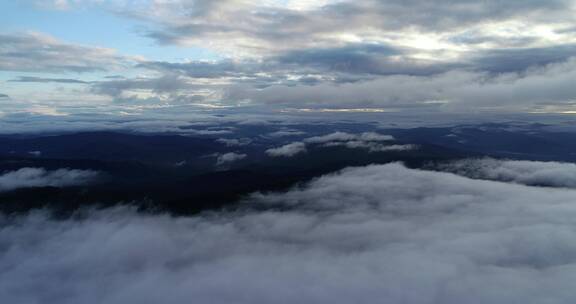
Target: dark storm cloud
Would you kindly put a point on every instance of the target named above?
(54, 80)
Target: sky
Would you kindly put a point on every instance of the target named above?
(65, 57)
(461, 231)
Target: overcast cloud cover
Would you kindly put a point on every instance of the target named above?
(430, 55)
(376, 232)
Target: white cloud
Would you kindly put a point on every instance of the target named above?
(370, 146)
(234, 142)
(39, 177)
(336, 136)
(227, 158)
(368, 140)
(537, 173)
(285, 133)
(343, 136)
(287, 150)
(376, 232)
(209, 132)
(371, 136)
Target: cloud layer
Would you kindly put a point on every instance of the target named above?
(535, 173)
(376, 232)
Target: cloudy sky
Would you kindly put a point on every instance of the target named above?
(67, 56)
(468, 231)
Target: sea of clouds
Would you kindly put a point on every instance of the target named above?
(375, 234)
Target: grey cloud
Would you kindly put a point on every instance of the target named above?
(163, 84)
(546, 85)
(300, 60)
(535, 173)
(79, 121)
(477, 37)
(303, 45)
(375, 59)
(268, 28)
(114, 77)
(520, 59)
(394, 90)
(258, 74)
(549, 84)
(4, 96)
(377, 232)
(342, 54)
(34, 52)
(443, 14)
(310, 66)
(520, 78)
(199, 69)
(38, 177)
(40, 79)
(569, 29)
